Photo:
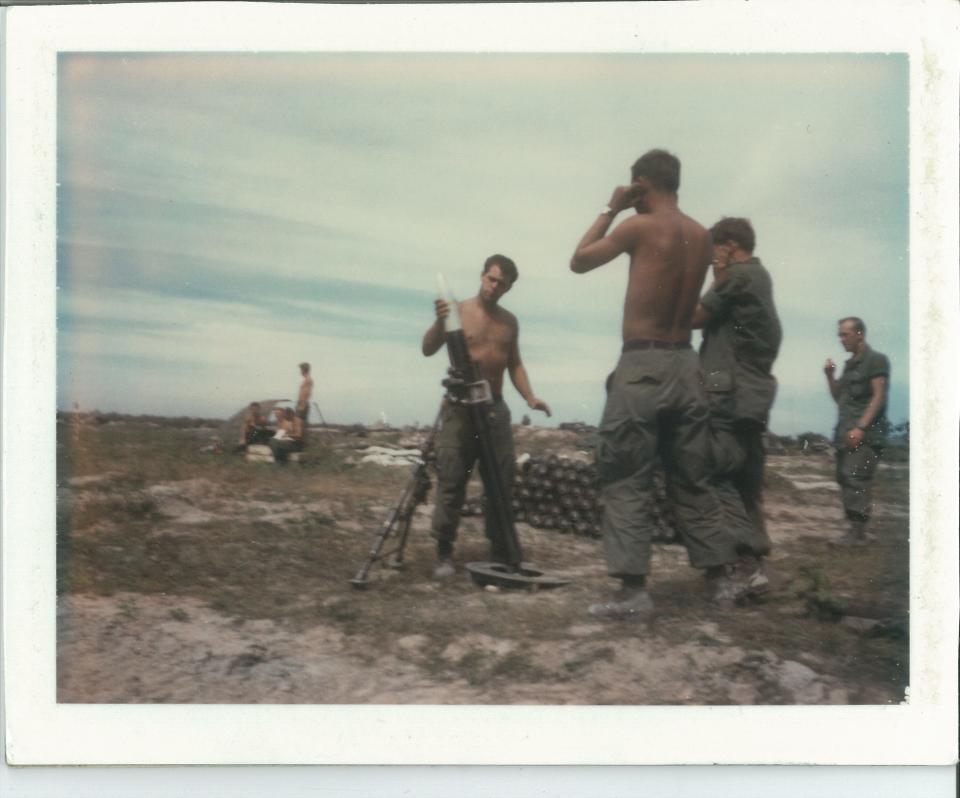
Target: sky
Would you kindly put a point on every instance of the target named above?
(222, 217)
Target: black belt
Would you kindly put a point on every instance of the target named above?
(648, 343)
(496, 397)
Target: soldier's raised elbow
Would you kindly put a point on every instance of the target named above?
(430, 347)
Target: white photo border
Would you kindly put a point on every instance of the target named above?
(41, 731)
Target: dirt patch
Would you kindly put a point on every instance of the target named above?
(190, 577)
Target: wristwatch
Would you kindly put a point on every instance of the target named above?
(607, 211)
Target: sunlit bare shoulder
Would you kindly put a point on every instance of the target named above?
(506, 317)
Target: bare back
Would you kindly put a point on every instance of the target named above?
(668, 265)
(491, 336)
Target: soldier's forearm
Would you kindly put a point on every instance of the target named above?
(433, 339)
(596, 231)
(870, 414)
(878, 387)
(520, 380)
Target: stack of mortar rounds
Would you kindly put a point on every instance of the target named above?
(561, 494)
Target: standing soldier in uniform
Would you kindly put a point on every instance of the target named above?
(741, 338)
(655, 402)
(861, 433)
(493, 341)
(303, 395)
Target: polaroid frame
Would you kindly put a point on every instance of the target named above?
(40, 731)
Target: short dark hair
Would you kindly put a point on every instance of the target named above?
(737, 230)
(661, 168)
(856, 321)
(507, 266)
(305, 367)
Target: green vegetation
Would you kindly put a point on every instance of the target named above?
(145, 510)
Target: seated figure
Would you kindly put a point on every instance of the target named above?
(255, 429)
(289, 436)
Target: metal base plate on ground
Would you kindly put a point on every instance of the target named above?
(527, 577)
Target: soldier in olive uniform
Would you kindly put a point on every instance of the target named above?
(861, 433)
(741, 339)
(493, 341)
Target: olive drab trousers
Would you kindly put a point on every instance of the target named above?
(855, 472)
(656, 407)
(738, 460)
(458, 450)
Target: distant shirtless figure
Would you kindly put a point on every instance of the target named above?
(306, 389)
(655, 400)
(289, 435)
(492, 335)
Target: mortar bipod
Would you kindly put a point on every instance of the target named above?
(399, 518)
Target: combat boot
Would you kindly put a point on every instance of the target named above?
(444, 569)
(628, 603)
(752, 571)
(724, 587)
(856, 535)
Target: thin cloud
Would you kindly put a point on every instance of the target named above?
(224, 209)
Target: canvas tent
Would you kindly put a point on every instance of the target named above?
(233, 426)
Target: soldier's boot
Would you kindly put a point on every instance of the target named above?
(444, 568)
(630, 602)
(856, 535)
(752, 570)
(724, 586)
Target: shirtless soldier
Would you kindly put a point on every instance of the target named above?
(306, 388)
(492, 335)
(655, 400)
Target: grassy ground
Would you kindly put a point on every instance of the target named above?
(151, 522)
